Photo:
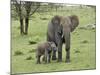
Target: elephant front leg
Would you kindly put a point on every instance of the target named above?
(67, 46)
(67, 55)
(60, 52)
(49, 57)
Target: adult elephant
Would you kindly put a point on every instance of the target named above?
(59, 30)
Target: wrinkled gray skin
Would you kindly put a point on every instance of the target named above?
(59, 29)
(45, 49)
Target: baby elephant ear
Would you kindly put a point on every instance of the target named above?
(74, 22)
(52, 44)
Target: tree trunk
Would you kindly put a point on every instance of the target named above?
(26, 25)
(21, 19)
(21, 26)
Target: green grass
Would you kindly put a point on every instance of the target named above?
(82, 44)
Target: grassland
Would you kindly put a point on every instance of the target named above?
(82, 43)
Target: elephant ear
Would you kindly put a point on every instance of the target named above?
(74, 22)
(56, 20)
(52, 44)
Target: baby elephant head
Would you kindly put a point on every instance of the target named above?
(53, 46)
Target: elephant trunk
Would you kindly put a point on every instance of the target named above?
(67, 44)
(66, 34)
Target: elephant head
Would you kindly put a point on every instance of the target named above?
(65, 24)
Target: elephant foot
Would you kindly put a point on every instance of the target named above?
(67, 61)
(54, 58)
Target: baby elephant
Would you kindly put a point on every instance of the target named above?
(45, 49)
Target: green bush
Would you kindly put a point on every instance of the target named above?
(84, 41)
(29, 58)
(18, 53)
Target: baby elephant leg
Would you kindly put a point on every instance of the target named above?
(38, 60)
(47, 57)
(43, 59)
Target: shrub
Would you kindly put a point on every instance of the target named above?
(32, 42)
(29, 58)
(18, 53)
(43, 18)
(84, 41)
(77, 51)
